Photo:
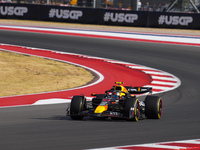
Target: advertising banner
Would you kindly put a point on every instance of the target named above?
(125, 18)
(99, 16)
(174, 20)
(18, 11)
(69, 14)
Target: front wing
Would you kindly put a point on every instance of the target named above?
(90, 113)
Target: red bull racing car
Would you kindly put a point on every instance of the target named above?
(118, 102)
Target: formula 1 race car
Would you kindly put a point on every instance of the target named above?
(118, 102)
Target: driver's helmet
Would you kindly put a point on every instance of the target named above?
(116, 95)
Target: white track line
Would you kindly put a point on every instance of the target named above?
(130, 35)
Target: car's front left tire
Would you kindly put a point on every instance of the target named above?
(77, 105)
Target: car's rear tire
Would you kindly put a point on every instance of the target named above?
(133, 114)
(153, 107)
(77, 105)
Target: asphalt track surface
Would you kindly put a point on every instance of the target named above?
(47, 127)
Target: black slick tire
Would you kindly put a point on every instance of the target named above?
(76, 107)
(132, 103)
(153, 107)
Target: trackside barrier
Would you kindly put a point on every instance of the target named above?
(99, 16)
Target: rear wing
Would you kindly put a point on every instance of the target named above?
(139, 90)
